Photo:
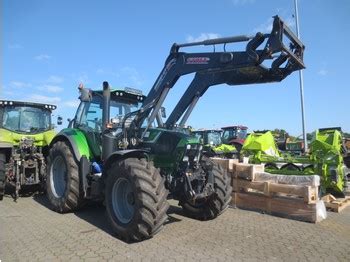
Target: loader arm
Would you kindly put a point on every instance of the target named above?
(245, 67)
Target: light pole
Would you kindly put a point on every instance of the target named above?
(301, 81)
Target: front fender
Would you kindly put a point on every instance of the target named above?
(77, 141)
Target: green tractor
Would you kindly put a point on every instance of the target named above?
(213, 145)
(325, 158)
(118, 149)
(25, 134)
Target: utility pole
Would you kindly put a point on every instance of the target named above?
(301, 82)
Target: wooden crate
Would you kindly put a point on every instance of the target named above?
(246, 171)
(336, 204)
(308, 194)
(279, 206)
(290, 201)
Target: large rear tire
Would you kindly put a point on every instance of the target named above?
(136, 199)
(62, 180)
(2, 175)
(218, 202)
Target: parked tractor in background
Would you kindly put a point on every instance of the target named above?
(212, 144)
(25, 134)
(326, 158)
(119, 150)
(234, 135)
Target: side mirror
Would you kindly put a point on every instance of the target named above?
(85, 95)
(163, 112)
(59, 120)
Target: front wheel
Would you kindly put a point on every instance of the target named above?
(62, 179)
(136, 199)
(216, 204)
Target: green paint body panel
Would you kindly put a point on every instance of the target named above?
(325, 157)
(168, 160)
(40, 139)
(79, 139)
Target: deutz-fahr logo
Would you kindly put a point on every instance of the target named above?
(197, 60)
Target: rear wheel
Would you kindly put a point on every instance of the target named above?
(216, 204)
(136, 199)
(62, 180)
(2, 175)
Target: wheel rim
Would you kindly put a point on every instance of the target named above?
(58, 173)
(123, 200)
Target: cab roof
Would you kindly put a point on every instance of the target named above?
(206, 130)
(4, 103)
(127, 94)
(235, 127)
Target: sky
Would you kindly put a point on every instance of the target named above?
(48, 47)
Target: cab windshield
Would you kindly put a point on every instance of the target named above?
(210, 138)
(25, 119)
(89, 114)
(230, 134)
(214, 138)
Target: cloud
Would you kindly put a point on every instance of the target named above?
(50, 88)
(42, 57)
(128, 76)
(18, 84)
(44, 99)
(323, 72)
(83, 78)
(15, 46)
(132, 75)
(72, 103)
(266, 27)
(54, 79)
(102, 71)
(202, 37)
(243, 2)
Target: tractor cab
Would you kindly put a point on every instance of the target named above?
(24, 117)
(209, 137)
(89, 116)
(234, 135)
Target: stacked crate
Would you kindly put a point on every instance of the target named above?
(294, 197)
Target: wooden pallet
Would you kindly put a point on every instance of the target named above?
(336, 204)
(253, 189)
(289, 201)
(308, 194)
(277, 206)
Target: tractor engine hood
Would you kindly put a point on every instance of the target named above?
(11, 138)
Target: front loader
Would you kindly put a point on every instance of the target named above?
(119, 150)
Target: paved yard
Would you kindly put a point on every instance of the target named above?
(30, 231)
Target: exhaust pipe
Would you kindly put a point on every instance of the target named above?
(107, 138)
(105, 105)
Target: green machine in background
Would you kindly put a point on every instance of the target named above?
(325, 158)
(25, 133)
(213, 145)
